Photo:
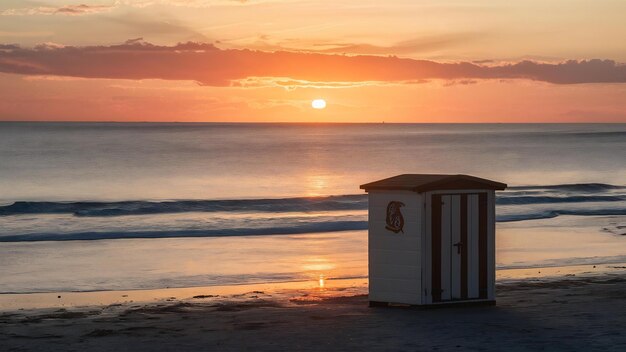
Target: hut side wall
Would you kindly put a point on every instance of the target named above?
(491, 245)
(395, 263)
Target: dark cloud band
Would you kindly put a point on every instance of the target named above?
(209, 65)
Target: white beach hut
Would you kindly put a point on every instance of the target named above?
(432, 239)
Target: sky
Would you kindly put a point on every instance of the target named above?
(267, 60)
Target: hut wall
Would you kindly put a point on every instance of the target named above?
(395, 264)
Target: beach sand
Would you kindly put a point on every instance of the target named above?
(573, 312)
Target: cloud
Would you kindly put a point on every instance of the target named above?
(74, 10)
(203, 3)
(209, 65)
(154, 26)
(423, 44)
(460, 82)
(485, 61)
(9, 47)
(291, 84)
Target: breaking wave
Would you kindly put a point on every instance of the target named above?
(515, 195)
(238, 217)
(300, 204)
(314, 227)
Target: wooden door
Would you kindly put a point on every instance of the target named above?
(459, 246)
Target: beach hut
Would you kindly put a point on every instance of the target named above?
(431, 239)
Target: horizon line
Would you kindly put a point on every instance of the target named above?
(319, 122)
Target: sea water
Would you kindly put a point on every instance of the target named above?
(86, 206)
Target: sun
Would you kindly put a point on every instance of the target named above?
(318, 104)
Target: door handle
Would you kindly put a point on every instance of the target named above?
(458, 246)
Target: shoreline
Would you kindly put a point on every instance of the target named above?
(563, 313)
(11, 302)
(129, 264)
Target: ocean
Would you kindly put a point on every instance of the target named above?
(99, 206)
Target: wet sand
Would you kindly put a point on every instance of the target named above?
(567, 313)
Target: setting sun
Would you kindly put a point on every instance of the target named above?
(318, 104)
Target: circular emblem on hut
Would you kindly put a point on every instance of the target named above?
(395, 220)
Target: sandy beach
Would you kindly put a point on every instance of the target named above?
(572, 312)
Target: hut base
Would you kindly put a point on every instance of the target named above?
(472, 303)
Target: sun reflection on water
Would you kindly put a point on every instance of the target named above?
(322, 281)
(317, 184)
(318, 264)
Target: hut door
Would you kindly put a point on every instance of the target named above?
(459, 247)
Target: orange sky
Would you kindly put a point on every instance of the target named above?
(266, 60)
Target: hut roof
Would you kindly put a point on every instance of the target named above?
(432, 182)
